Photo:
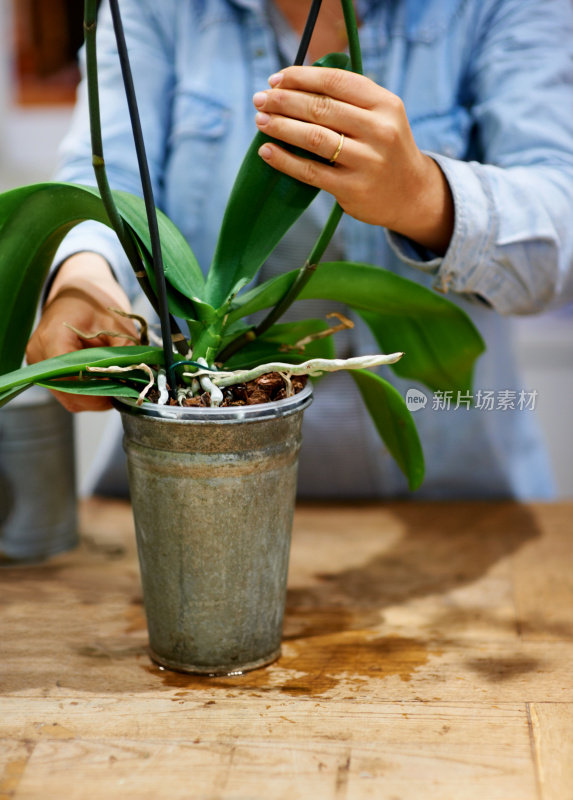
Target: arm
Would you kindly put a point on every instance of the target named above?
(151, 55)
(81, 295)
(83, 286)
(510, 238)
(380, 176)
(513, 240)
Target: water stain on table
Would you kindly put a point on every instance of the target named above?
(318, 666)
(499, 670)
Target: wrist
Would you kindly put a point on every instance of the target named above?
(91, 273)
(428, 219)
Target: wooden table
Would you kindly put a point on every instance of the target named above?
(428, 654)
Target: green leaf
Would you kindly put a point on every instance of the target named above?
(178, 304)
(268, 347)
(10, 394)
(262, 296)
(233, 331)
(262, 206)
(34, 220)
(72, 363)
(182, 269)
(440, 341)
(92, 386)
(394, 424)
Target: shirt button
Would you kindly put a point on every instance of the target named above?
(259, 52)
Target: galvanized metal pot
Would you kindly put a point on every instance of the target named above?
(213, 494)
(37, 479)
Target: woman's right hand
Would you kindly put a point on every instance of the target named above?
(82, 293)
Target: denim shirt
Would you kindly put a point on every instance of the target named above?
(488, 89)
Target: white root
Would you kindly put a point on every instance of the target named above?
(208, 386)
(143, 367)
(288, 384)
(212, 380)
(162, 386)
(313, 367)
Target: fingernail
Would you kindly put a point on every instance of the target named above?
(259, 99)
(261, 118)
(265, 152)
(275, 79)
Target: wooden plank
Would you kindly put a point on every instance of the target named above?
(543, 578)
(406, 668)
(14, 758)
(552, 727)
(365, 616)
(422, 569)
(231, 750)
(71, 648)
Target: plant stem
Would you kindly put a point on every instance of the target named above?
(90, 25)
(306, 271)
(307, 33)
(352, 35)
(146, 184)
(116, 221)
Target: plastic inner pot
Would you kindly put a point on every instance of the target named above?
(274, 409)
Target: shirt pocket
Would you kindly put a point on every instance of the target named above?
(198, 116)
(199, 130)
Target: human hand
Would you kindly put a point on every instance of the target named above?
(83, 291)
(380, 176)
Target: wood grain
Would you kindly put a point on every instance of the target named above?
(543, 595)
(552, 726)
(415, 663)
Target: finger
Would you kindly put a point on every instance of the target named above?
(315, 108)
(315, 138)
(59, 331)
(340, 84)
(43, 344)
(55, 339)
(323, 176)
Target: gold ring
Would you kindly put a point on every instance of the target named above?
(338, 149)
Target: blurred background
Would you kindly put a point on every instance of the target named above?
(38, 76)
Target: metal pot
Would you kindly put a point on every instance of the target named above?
(213, 494)
(37, 482)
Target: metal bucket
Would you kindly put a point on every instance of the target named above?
(37, 482)
(213, 494)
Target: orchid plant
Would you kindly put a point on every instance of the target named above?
(220, 345)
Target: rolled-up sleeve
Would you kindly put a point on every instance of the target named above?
(152, 64)
(512, 244)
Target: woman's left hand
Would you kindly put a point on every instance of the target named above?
(379, 176)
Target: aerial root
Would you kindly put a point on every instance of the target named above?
(97, 334)
(144, 367)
